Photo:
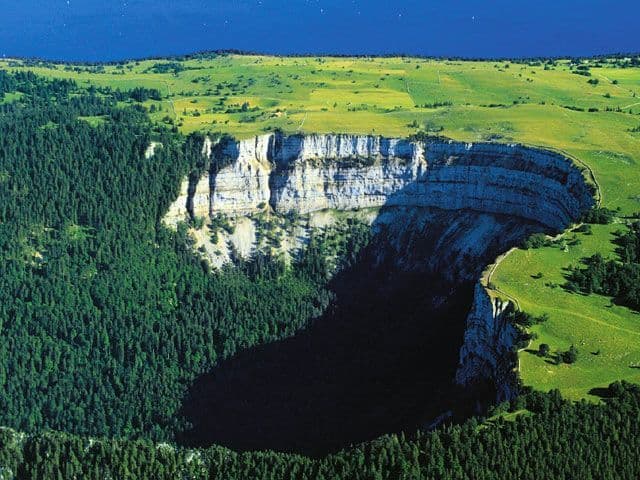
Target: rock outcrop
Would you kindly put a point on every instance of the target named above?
(487, 351)
(495, 195)
(318, 172)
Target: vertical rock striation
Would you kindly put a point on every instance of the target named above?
(487, 351)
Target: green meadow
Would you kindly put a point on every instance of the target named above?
(606, 335)
(591, 116)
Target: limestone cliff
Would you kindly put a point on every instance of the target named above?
(443, 206)
(487, 351)
(318, 172)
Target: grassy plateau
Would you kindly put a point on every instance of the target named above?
(589, 109)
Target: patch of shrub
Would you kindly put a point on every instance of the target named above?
(543, 350)
(437, 104)
(167, 67)
(570, 356)
(584, 228)
(599, 215)
(524, 319)
(537, 240)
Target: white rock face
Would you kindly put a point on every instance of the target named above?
(343, 172)
(505, 190)
(178, 209)
(243, 186)
(488, 343)
(151, 149)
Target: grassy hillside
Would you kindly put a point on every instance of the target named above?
(591, 116)
(607, 336)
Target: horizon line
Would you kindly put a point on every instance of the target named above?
(238, 52)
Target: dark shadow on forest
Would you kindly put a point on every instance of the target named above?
(381, 360)
(602, 392)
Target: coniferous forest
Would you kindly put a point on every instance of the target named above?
(107, 317)
(548, 438)
(104, 309)
(619, 278)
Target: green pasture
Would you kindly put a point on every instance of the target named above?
(607, 336)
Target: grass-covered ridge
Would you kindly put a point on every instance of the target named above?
(589, 109)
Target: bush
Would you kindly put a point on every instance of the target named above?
(598, 215)
(584, 228)
(543, 350)
(536, 240)
(570, 356)
(198, 223)
(523, 339)
(525, 319)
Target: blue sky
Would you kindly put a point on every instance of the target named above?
(108, 30)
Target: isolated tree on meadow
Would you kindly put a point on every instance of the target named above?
(543, 350)
(571, 355)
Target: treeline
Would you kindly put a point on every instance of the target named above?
(107, 317)
(137, 94)
(37, 87)
(624, 60)
(32, 84)
(616, 278)
(548, 438)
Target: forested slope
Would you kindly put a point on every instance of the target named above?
(544, 437)
(106, 315)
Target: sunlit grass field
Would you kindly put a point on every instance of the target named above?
(464, 100)
(607, 336)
